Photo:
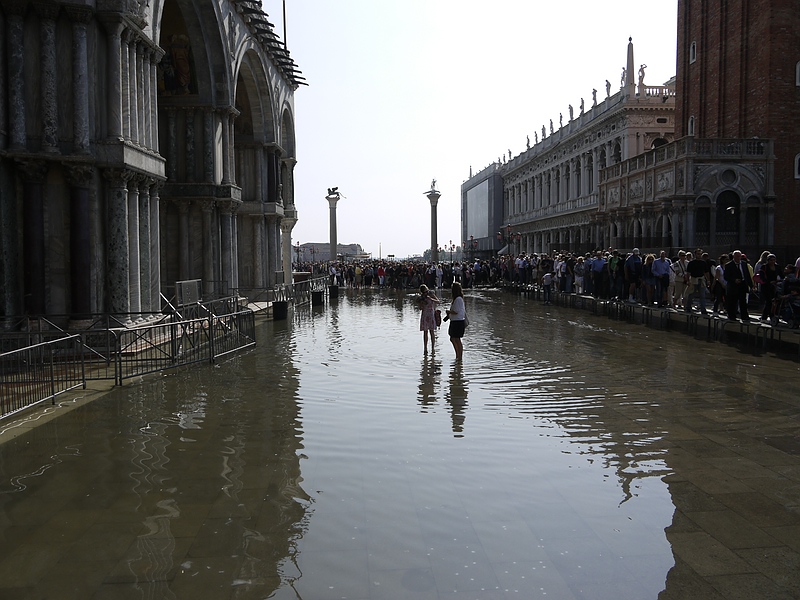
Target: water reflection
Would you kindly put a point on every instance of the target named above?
(334, 461)
(456, 398)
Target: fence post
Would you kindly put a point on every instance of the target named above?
(211, 335)
(52, 374)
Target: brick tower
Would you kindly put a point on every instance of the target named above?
(738, 76)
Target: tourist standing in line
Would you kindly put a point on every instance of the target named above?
(699, 277)
(661, 270)
(681, 279)
(719, 285)
(740, 282)
(457, 315)
(427, 301)
(547, 282)
(633, 274)
(770, 276)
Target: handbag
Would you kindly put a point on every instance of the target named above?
(466, 320)
(438, 315)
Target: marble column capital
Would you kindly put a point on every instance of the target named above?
(78, 175)
(230, 206)
(32, 170)
(112, 23)
(117, 177)
(46, 10)
(79, 14)
(16, 8)
(207, 206)
(183, 206)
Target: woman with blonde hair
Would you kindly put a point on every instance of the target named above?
(427, 322)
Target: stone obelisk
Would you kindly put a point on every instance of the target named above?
(433, 195)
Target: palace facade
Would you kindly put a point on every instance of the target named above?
(141, 144)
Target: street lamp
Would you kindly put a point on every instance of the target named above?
(450, 248)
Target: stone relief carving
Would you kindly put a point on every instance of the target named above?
(637, 189)
(649, 187)
(613, 197)
(680, 178)
(664, 181)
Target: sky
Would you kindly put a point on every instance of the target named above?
(403, 92)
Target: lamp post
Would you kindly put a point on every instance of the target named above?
(506, 236)
(450, 248)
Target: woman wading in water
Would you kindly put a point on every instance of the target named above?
(427, 321)
(457, 315)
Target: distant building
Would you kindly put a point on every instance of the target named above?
(322, 252)
(482, 211)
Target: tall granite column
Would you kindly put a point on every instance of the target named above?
(126, 67)
(434, 196)
(226, 147)
(155, 247)
(33, 173)
(226, 245)
(47, 41)
(80, 79)
(231, 155)
(79, 177)
(10, 243)
(189, 115)
(3, 85)
(208, 144)
(332, 199)
(144, 245)
(207, 206)
(183, 239)
(287, 224)
(258, 252)
(117, 247)
(16, 76)
(115, 59)
(141, 95)
(133, 92)
(134, 273)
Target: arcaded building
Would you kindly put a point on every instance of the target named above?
(141, 144)
(553, 197)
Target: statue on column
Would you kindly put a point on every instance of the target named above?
(608, 88)
(544, 133)
(581, 105)
(528, 142)
(594, 97)
(570, 113)
(622, 79)
(551, 126)
(535, 138)
(641, 75)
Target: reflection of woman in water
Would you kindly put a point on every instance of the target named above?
(427, 321)
(457, 313)
(457, 399)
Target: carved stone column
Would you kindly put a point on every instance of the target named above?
(146, 97)
(226, 147)
(172, 144)
(33, 173)
(115, 59)
(16, 75)
(184, 245)
(126, 67)
(3, 85)
(133, 95)
(227, 244)
(142, 96)
(47, 55)
(208, 144)
(155, 58)
(207, 206)
(134, 272)
(79, 177)
(117, 246)
(190, 144)
(286, 226)
(258, 252)
(80, 79)
(144, 245)
(155, 247)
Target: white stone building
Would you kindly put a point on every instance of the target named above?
(552, 190)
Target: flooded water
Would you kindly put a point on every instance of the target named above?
(568, 456)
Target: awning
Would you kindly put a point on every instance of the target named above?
(504, 250)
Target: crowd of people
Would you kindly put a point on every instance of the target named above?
(689, 280)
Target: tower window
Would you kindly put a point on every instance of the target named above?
(690, 128)
(693, 52)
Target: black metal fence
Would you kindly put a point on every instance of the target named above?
(40, 372)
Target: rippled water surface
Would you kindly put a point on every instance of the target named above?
(568, 456)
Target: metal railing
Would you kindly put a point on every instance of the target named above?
(152, 348)
(40, 372)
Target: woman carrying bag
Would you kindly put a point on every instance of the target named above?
(458, 320)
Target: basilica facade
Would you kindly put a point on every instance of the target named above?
(142, 143)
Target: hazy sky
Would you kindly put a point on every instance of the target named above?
(402, 92)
